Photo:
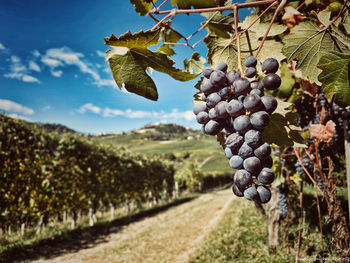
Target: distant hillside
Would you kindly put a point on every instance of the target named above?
(59, 128)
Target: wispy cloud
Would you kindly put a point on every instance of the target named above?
(100, 53)
(34, 66)
(19, 117)
(175, 114)
(11, 107)
(57, 73)
(2, 47)
(19, 71)
(46, 108)
(36, 53)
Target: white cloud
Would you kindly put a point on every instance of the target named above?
(27, 78)
(46, 108)
(19, 117)
(36, 53)
(10, 106)
(2, 47)
(51, 62)
(57, 73)
(175, 114)
(15, 59)
(100, 53)
(34, 66)
(19, 71)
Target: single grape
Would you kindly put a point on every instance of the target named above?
(213, 99)
(253, 138)
(222, 66)
(252, 165)
(259, 120)
(220, 109)
(256, 85)
(251, 193)
(245, 151)
(236, 191)
(217, 78)
(212, 127)
(270, 103)
(271, 81)
(207, 72)
(232, 75)
(242, 179)
(213, 114)
(241, 86)
(235, 108)
(198, 107)
(263, 151)
(250, 61)
(250, 72)
(266, 176)
(202, 117)
(206, 86)
(270, 65)
(241, 124)
(228, 153)
(234, 141)
(236, 162)
(267, 162)
(252, 103)
(224, 92)
(258, 92)
(264, 194)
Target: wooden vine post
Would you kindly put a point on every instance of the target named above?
(347, 157)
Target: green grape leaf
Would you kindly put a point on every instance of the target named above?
(335, 76)
(282, 129)
(307, 43)
(198, 84)
(219, 24)
(260, 28)
(220, 138)
(345, 22)
(223, 49)
(130, 69)
(139, 39)
(187, 4)
(195, 64)
(169, 37)
(166, 49)
(288, 81)
(143, 6)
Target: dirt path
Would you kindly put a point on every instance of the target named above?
(170, 236)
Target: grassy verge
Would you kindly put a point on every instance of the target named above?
(242, 237)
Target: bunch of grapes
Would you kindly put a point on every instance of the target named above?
(238, 108)
(282, 200)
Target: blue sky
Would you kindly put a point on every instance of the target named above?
(52, 66)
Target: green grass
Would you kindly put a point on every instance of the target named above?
(242, 237)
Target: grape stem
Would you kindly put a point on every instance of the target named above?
(239, 59)
(306, 171)
(281, 5)
(339, 14)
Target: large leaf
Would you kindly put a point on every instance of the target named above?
(335, 76)
(219, 24)
(282, 129)
(186, 4)
(143, 6)
(139, 39)
(130, 69)
(260, 28)
(307, 43)
(171, 37)
(223, 49)
(195, 64)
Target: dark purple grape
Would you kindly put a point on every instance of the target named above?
(242, 179)
(207, 87)
(236, 191)
(212, 127)
(232, 75)
(213, 114)
(224, 92)
(258, 92)
(241, 98)
(266, 176)
(264, 194)
(270, 103)
(202, 117)
(198, 107)
(252, 103)
(268, 162)
(207, 72)
(217, 78)
(252, 165)
(263, 151)
(259, 120)
(220, 109)
(236, 162)
(256, 85)
(234, 141)
(271, 81)
(251, 193)
(250, 61)
(250, 72)
(235, 108)
(245, 151)
(228, 152)
(213, 99)
(253, 138)
(222, 66)
(270, 65)
(241, 86)
(242, 124)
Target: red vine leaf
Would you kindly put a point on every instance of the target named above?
(292, 16)
(321, 132)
